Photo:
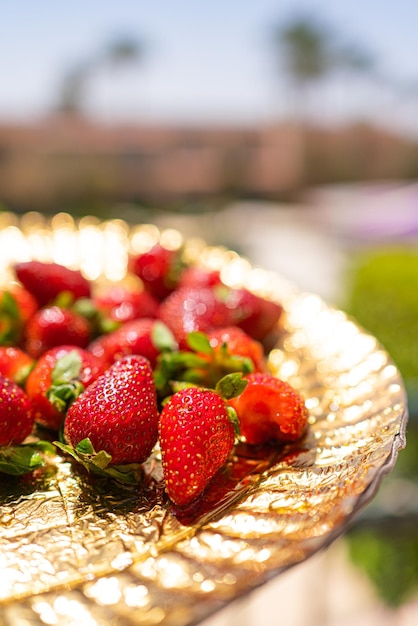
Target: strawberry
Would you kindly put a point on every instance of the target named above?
(196, 276)
(191, 309)
(55, 326)
(270, 409)
(25, 302)
(16, 415)
(134, 337)
(45, 281)
(196, 438)
(238, 343)
(207, 359)
(229, 482)
(17, 305)
(159, 269)
(121, 304)
(255, 315)
(16, 423)
(112, 426)
(58, 377)
(15, 364)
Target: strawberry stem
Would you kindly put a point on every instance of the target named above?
(24, 458)
(66, 386)
(162, 337)
(100, 462)
(231, 385)
(10, 320)
(201, 365)
(100, 323)
(233, 418)
(66, 368)
(62, 396)
(21, 376)
(199, 342)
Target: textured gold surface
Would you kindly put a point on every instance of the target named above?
(76, 549)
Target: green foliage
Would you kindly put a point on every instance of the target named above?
(390, 559)
(407, 462)
(382, 295)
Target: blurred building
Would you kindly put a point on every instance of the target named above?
(68, 161)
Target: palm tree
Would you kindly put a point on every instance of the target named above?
(309, 51)
(73, 87)
(122, 51)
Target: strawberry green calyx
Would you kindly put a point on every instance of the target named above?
(101, 323)
(100, 462)
(233, 418)
(219, 362)
(25, 457)
(9, 306)
(201, 365)
(178, 385)
(177, 366)
(10, 320)
(162, 337)
(231, 386)
(66, 386)
(64, 299)
(63, 395)
(67, 368)
(199, 342)
(23, 373)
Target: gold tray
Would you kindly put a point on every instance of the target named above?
(82, 550)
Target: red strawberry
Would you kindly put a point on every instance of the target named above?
(196, 276)
(16, 415)
(17, 305)
(159, 269)
(47, 280)
(270, 409)
(117, 414)
(15, 364)
(196, 438)
(238, 343)
(58, 377)
(16, 424)
(190, 309)
(134, 337)
(55, 326)
(255, 315)
(122, 304)
(207, 359)
(25, 302)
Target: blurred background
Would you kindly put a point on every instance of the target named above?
(285, 130)
(187, 106)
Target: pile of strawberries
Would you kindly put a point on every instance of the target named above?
(176, 364)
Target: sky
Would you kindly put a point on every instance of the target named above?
(203, 61)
